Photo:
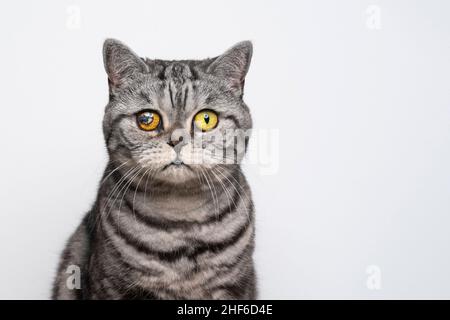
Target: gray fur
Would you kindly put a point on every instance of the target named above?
(161, 231)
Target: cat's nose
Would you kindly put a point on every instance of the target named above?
(178, 138)
(174, 141)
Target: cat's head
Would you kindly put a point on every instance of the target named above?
(176, 120)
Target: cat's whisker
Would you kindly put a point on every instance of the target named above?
(198, 177)
(215, 193)
(127, 186)
(112, 172)
(110, 195)
(109, 205)
(223, 160)
(225, 189)
(234, 179)
(237, 191)
(209, 186)
(149, 177)
(134, 197)
(122, 194)
(145, 188)
(118, 184)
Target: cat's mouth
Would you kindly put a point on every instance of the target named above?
(177, 164)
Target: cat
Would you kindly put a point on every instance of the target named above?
(164, 226)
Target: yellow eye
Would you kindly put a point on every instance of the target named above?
(206, 120)
(148, 120)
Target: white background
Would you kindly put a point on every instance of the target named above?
(363, 115)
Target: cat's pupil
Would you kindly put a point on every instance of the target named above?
(146, 118)
(206, 117)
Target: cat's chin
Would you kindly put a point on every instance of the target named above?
(176, 174)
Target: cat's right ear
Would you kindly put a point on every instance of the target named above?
(232, 66)
(121, 64)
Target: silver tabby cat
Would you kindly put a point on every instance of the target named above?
(165, 226)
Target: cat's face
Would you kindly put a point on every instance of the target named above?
(176, 121)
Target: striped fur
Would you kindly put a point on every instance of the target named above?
(158, 231)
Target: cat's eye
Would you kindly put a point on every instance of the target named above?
(206, 120)
(148, 120)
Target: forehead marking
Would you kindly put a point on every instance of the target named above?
(171, 95)
(178, 75)
(186, 92)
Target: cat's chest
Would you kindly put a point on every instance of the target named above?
(170, 233)
(179, 256)
(181, 275)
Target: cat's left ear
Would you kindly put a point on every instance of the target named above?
(233, 65)
(121, 64)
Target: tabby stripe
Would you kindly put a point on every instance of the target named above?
(230, 265)
(128, 143)
(119, 285)
(138, 293)
(241, 281)
(171, 96)
(113, 125)
(131, 241)
(166, 224)
(186, 92)
(189, 252)
(194, 73)
(143, 271)
(119, 256)
(113, 283)
(178, 97)
(146, 97)
(220, 246)
(234, 119)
